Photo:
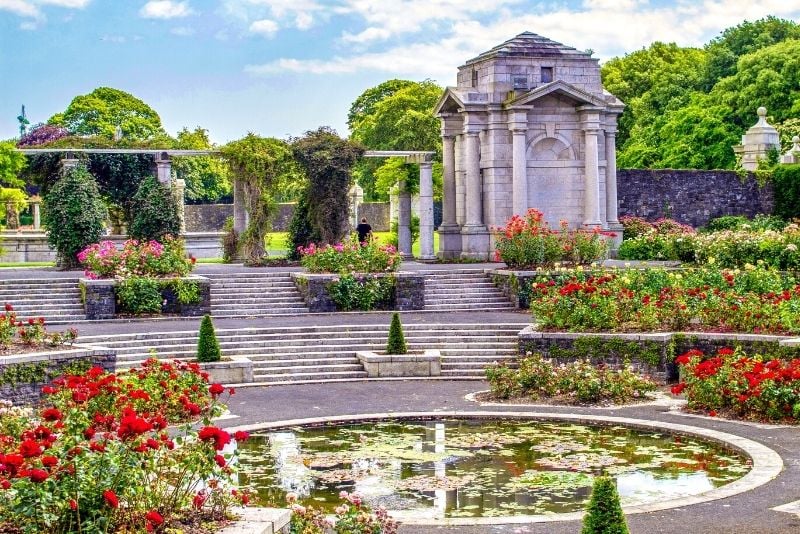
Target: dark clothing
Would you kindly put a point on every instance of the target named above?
(364, 230)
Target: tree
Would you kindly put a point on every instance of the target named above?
(207, 344)
(301, 233)
(327, 160)
(604, 514)
(396, 343)
(395, 115)
(74, 215)
(259, 163)
(651, 81)
(105, 109)
(155, 211)
(12, 163)
(207, 177)
(725, 50)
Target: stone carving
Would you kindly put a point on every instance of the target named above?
(757, 142)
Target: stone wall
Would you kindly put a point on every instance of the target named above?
(206, 217)
(692, 197)
(48, 365)
(99, 298)
(377, 214)
(408, 293)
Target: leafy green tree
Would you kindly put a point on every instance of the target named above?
(604, 514)
(395, 115)
(652, 80)
(12, 163)
(104, 109)
(155, 211)
(788, 129)
(207, 177)
(725, 50)
(301, 233)
(327, 160)
(74, 215)
(207, 344)
(259, 162)
(787, 191)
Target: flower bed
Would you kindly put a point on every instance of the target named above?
(578, 382)
(96, 457)
(740, 247)
(383, 291)
(527, 242)
(350, 257)
(753, 301)
(188, 297)
(732, 383)
(352, 517)
(136, 258)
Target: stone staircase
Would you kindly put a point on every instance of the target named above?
(326, 353)
(254, 295)
(58, 300)
(463, 290)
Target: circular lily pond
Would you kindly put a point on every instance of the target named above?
(464, 468)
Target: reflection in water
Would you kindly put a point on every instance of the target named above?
(479, 468)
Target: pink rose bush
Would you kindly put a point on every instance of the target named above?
(136, 258)
(350, 257)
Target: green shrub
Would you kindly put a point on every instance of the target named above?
(139, 295)
(394, 240)
(230, 241)
(187, 292)
(74, 215)
(301, 232)
(351, 292)
(207, 344)
(786, 181)
(604, 515)
(739, 222)
(726, 222)
(155, 211)
(397, 341)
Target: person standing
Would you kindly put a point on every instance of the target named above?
(364, 231)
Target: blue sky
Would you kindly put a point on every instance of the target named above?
(280, 67)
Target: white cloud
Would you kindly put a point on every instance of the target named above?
(72, 4)
(22, 8)
(165, 9)
(118, 39)
(31, 9)
(296, 13)
(28, 25)
(182, 31)
(265, 27)
(606, 30)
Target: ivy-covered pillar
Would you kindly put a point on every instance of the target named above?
(426, 210)
(404, 220)
(239, 211)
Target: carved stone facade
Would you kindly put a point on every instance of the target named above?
(757, 142)
(528, 125)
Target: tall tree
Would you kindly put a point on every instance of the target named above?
(105, 109)
(12, 164)
(207, 177)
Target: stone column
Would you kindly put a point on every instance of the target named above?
(518, 124)
(612, 216)
(474, 234)
(178, 189)
(426, 210)
(590, 119)
(404, 221)
(239, 211)
(164, 169)
(449, 181)
(37, 215)
(472, 163)
(68, 163)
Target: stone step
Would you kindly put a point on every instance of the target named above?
(261, 299)
(466, 307)
(294, 370)
(240, 286)
(258, 313)
(467, 299)
(322, 376)
(287, 308)
(306, 362)
(56, 298)
(463, 375)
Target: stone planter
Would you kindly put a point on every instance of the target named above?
(408, 293)
(400, 365)
(233, 370)
(100, 302)
(45, 365)
(259, 521)
(649, 353)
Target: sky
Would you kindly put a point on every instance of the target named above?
(282, 67)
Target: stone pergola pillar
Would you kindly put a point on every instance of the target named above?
(518, 124)
(239, 211)
(449, 230)
(178, 189)
(36, 206)
(68, 163)
(404, 221)
(612, 215)
(164, 168)
(426, 210)
(591, 200)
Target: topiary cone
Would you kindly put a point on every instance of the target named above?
(207, 344)
(604, 514)
(397, 342)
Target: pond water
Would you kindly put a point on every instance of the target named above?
(464, 468)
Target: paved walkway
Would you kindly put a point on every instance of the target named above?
(748, 512)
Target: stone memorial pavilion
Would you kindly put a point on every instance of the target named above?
(528, 125)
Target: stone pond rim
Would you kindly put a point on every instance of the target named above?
(766, 463)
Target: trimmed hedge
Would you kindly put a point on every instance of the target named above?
(207, 344)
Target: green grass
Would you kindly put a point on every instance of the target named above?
(28, 264)
(277, 242)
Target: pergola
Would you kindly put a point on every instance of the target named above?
(162, 158)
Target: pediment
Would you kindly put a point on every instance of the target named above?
(558, 87)
(450, 102)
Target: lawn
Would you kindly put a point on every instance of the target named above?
(277, 242)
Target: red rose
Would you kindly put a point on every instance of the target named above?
(220, 460)
(241, 435)
(154, 517)
(111, 498)
(38, 475)
(677, 389)
(219, 436)
(5, 484)
(49, 461)
(216, 389)
(52, 414)
(73, 504)
(30, 448)
(712, 413)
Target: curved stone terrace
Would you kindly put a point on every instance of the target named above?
(752, 511)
